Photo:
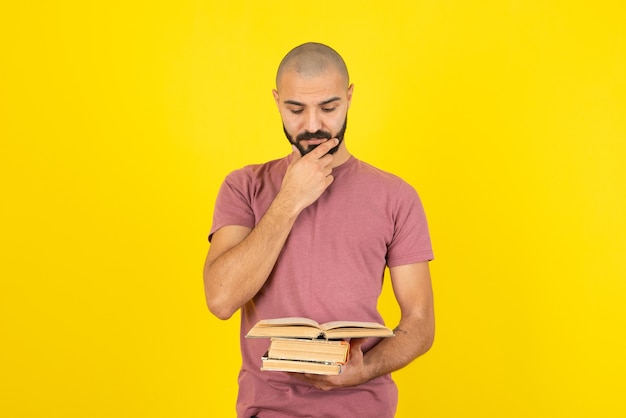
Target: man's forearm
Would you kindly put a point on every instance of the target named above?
(413, 337)
(234, 277)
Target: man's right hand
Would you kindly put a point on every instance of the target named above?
(307, 176)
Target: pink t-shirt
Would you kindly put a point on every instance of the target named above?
(331, 268)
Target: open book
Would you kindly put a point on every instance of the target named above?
(296, 327)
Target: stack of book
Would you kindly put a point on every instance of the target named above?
(302, 345)
(306, 356)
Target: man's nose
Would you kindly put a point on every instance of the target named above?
(313, 122)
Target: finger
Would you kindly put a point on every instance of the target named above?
(355, 343)
(329, 180)
(322, 149)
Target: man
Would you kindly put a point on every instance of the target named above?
(311, 235)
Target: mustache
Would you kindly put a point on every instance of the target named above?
(319, 134)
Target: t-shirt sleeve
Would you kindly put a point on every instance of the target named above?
(233, 203)
(411, 238)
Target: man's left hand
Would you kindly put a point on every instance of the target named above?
(352, 373)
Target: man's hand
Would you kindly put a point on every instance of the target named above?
(307, 177)
(352, 373)
(413, 336)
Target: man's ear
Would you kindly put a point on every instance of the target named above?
(350, 90)
(275, 93)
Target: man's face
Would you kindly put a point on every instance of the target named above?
(313, 109)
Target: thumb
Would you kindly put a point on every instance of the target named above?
(355, 343)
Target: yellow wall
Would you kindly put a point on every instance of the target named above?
(119, 119)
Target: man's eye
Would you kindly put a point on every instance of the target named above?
(328, 109)
(296, 111)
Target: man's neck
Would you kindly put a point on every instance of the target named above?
(341, 156)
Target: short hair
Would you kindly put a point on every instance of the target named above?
(312, 59)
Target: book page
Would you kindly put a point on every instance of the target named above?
(351, 324)
(289, 321)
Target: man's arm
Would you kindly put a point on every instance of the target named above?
(240, 259)
(414, 334)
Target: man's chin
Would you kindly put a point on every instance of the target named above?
(311, 147)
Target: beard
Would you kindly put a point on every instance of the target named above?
(320, 134)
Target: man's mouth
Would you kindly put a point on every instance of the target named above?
(314, 141)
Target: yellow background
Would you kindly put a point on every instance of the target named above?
(119, 120)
